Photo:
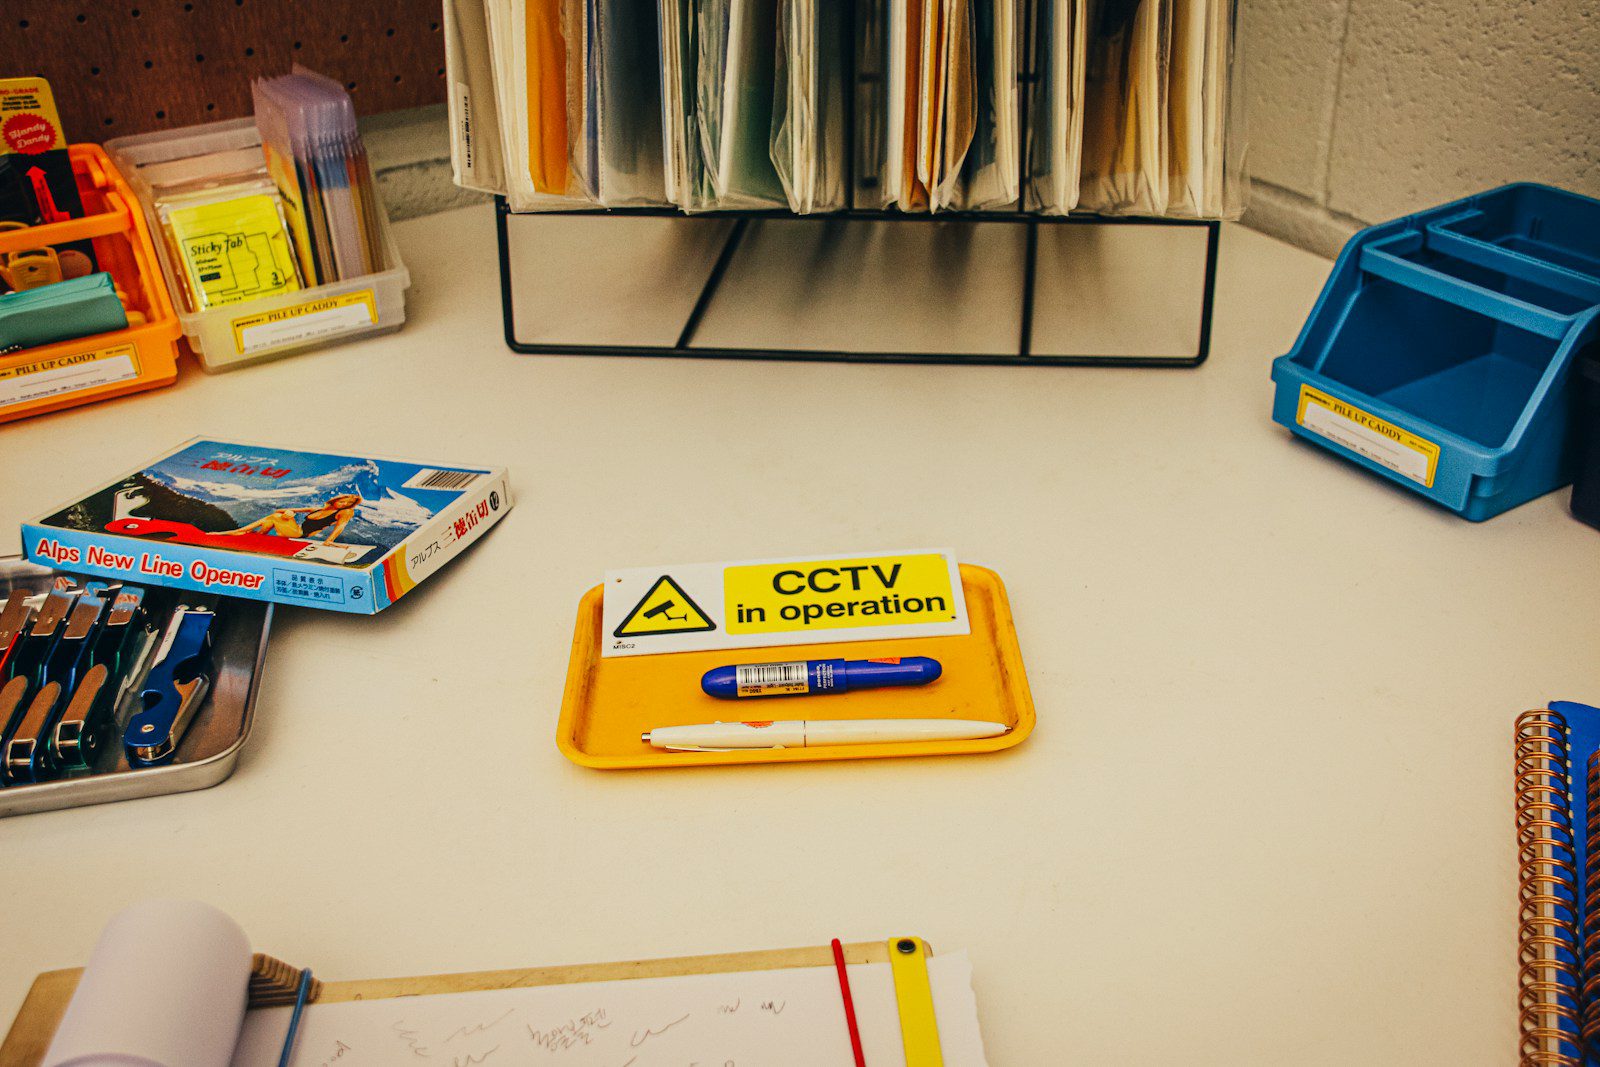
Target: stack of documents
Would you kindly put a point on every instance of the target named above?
(1204, 159)
(808, 144)
(555, 104)
(992, 172)
(319, 165)
(916, 105)
(937, 104)
(1132, 109)
(734, 52)
(753, 104)
(931, 102)
(1055, 134)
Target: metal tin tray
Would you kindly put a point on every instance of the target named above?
(208, 751)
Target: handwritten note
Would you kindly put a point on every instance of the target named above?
(782, 1018)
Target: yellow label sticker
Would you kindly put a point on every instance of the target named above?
(304, 322)
(665, 609)
(887, 595)
(29, 124)
(838, 594)
(45, 378)
(1363, 433)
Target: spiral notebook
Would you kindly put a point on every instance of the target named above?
(1558, 938)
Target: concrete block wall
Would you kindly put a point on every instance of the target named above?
(1361, 110)
(410, 158)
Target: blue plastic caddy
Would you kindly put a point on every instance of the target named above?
(1440, 353)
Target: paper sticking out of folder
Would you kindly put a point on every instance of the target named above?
(912, 104)
(939, 111)
(557, 104)
(808, 145)
(1133, 112)
(319, 164)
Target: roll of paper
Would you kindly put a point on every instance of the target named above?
(165, 986)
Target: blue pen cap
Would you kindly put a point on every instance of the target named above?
(899, 670)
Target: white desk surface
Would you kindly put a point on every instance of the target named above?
(1266, 816)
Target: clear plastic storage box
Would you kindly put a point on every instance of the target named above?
(268, 327)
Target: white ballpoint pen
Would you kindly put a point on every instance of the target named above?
(810, 733)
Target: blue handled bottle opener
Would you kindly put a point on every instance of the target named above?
(27, 756)
(126, 638)
(174, 688)
(25, 672)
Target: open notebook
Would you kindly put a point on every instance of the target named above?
(778, 1017)
(173, 983)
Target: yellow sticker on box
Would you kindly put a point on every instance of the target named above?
(308, 321)
(1363, 433)
(838, 594)
(59, 375)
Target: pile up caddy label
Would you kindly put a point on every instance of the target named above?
(1363, 433)
(304, 322)
(45, 378)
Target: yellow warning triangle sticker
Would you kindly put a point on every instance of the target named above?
(665, 609)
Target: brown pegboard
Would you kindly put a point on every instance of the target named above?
(134, 65)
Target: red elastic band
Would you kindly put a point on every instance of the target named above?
(849, 1004)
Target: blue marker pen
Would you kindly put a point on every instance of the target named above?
(805, 677)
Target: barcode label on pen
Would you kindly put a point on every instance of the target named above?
(771, 679)
(428, 478)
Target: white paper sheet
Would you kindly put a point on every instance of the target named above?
(783, 1018)
(895, 115)
(165, 987)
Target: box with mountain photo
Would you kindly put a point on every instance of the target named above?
(345, 533)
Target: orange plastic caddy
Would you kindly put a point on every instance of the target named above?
(143, 356)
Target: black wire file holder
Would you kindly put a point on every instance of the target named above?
(867, 82)
(684, 344)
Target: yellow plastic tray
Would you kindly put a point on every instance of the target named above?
(610, 702)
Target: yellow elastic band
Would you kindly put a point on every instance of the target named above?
(919, 1030)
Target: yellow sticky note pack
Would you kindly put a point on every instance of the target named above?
(233, 250)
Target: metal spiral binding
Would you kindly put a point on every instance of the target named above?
(1591, 929)
(1548, 981)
